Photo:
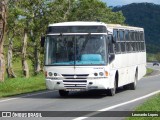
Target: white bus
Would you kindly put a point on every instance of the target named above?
(93, 56)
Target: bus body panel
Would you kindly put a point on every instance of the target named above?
(126, 65)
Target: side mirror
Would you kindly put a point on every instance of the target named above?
(42, 41)
(111, 38)
(111, 57)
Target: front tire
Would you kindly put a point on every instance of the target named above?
(63, 93)
(112, 91)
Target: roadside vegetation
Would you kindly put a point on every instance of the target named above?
(21, 85)
(151, 104)
(149, 71)
(153, 57)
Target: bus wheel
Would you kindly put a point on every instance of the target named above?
(112, 92)
(134, 84)
(63, 93)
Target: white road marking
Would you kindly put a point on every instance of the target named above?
(118, 105)
(28, 95)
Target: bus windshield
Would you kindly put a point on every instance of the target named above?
(76, 50)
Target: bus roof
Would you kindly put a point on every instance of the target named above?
(110, 27)
(118, 26)
(78, 23)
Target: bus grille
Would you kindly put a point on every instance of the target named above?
(75, 81)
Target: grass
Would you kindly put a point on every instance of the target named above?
(149, 71)
(152, 104)
(17, 67)
(20, 85)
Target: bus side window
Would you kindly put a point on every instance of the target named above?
(115, 34)
(130, 47)
(141, 36)
(135, 40)
(127, 40)
(118, 44)
(122, 40)
(127, 35)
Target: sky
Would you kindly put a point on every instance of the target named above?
(125, 2)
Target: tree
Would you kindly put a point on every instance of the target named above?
(93, 10)
(33, 17)
(158, 57)
(23, 19)
(3, 22)
(84, 10)
(39, 22)
(12, 31)
(29, 19)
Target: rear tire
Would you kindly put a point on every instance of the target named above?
(134, 84)
(63, 93)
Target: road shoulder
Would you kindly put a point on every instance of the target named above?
(155, 72)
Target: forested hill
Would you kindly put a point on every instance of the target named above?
(146, 15)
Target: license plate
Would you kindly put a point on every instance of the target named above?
(73, 89)
(93, 87)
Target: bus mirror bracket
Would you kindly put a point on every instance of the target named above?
(42, 41)
(111, 38)
(111, 57)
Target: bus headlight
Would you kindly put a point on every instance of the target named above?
(95, 74)
(50, 74)
(55, 74)
(101, 74)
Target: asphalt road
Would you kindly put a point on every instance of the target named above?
(124, 100)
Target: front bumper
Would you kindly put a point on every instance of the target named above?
(88, 84)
